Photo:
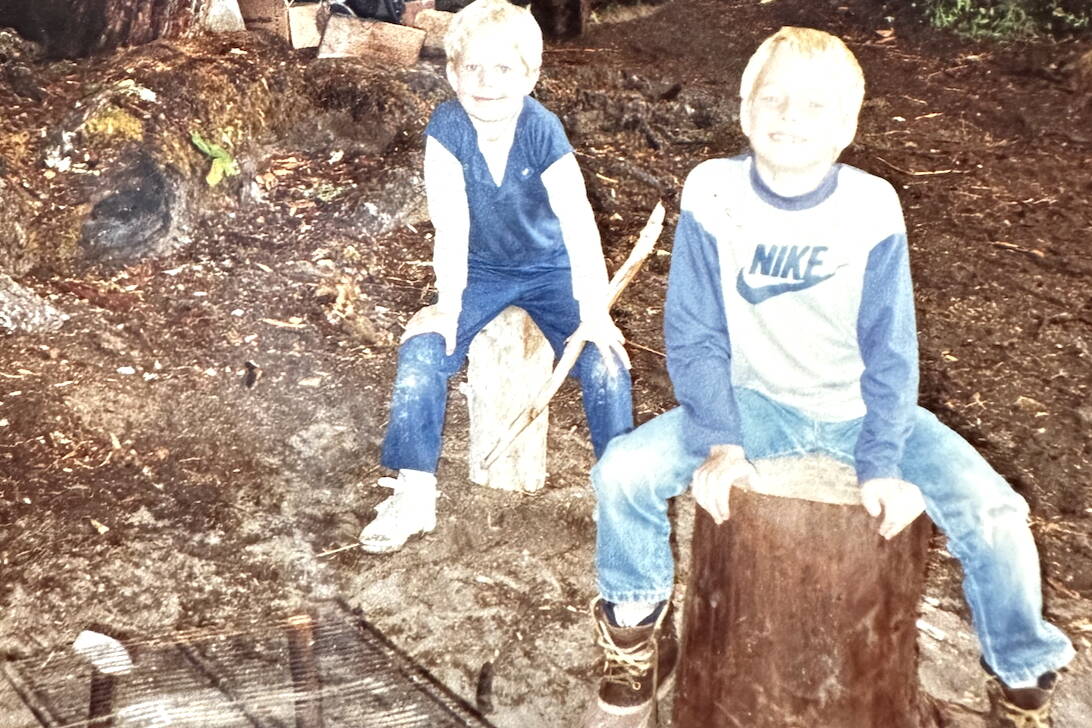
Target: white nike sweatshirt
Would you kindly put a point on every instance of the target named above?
(806, 300)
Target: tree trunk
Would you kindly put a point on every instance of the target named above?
(798, 613)
(562, 18)
(78, 28)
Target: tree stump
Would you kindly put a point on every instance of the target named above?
(797, 612)
(509, 361)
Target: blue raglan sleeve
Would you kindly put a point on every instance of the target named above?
(699, 359)
(887, 336)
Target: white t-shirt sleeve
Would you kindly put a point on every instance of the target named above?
(450, 213)
(569, 200)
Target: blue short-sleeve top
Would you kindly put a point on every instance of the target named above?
(512, 225)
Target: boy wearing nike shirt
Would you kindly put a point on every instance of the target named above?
(789, 326)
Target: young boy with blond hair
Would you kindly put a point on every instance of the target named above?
(789, 326)
(513, 228)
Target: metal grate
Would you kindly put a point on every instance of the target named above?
(331, 669)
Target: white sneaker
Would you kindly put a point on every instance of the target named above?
(409, 511)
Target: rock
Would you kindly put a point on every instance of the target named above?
(435, 24)
(22, 81)
(396, 198)
(124, 178)
(16, 209)
(14, 47)
(223, 16)
(1084, 414)
(1083, 72)
(133, 216)
(409, 14)
(21, 310)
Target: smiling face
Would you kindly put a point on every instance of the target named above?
(795, 118)
(490, 79)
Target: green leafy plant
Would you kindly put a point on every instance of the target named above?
(1009, 19)
(223, 164)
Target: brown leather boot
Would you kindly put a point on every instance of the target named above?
(638, 670)
(1020, 707)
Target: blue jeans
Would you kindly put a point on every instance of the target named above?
(420, 387)
(984, 520)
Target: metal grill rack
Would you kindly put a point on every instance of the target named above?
(329, 669)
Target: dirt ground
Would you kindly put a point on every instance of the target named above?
(200, 438)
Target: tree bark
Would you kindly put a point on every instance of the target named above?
(798, 613)
(78, 28)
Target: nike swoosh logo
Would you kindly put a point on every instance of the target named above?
(756, 295)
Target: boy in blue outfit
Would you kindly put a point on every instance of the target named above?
(789, 326)
(513, 227)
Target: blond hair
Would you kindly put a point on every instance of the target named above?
(846, 75)
(519, 26)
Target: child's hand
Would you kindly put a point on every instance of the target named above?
(898, 501)
(602, 332)
(434, 320)
(712, 482)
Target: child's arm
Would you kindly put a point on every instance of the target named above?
(699, 360)
(450, 214)
(887, 338)
(699, 354)
(569, 201)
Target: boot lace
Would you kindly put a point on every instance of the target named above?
(1013, 716)
(625, 665)
(1018, 717)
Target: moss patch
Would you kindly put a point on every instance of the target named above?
(110, 121)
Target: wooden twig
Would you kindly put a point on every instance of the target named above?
(618, 283)
(649, 349)
(338, 550)
(925, 173)
(1033, 252)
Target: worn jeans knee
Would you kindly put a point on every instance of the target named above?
(418, 402)
(607, 396)
(633, 482)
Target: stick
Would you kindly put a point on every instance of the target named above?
(925, 173)
(337, 550)
(618, 283)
